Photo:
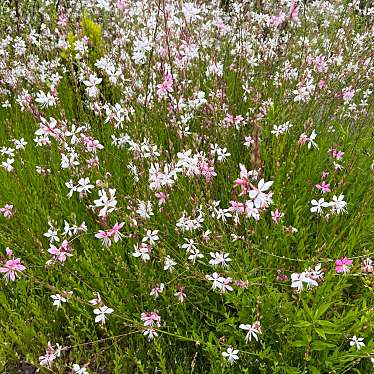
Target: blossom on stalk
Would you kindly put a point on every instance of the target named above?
(317, 206)
(367, 266)
(343, 265)
(91, 84)
(11, 269)
(231, 354)
(50, 355)
(58, 300)
(276, 215)
(150, 320)
(252, 330)
(61, 253)
(101, 314)
(180, 293)
(357, 342)
(105, 202)
(261, 199)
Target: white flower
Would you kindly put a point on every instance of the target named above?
(194, 255)
(45, 100)
(103, 4)
(216, 279)
(260, 198)
(151, 237)
(190, 12)
(52, 234)
(142, 251)
(189, 245)
(79, 370)
(306, 277)
(7, 165)
(84, 185)
(108, 203)
(252, 330)
(91, 83)
(169, 263)
(231, 354)
(101, 313)
(318, 205)
(20, 144)
(58, 300)
(73, 134)
(222, 154)
(338, 204)
(251, 210)
(219, 259)
(358, 342)
(337, 166)
(69, 161)
(145, 209)
(72, 188)
(297, 282)
(311, 142)
(316, 273)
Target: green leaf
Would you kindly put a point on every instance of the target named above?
(299, 343)
(303, 324)
(321, 333)
(321, 310)
(322, 322)
(319, 345)
(314, 370)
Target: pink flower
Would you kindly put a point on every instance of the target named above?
(11, 268)
(105, 236)
(7, 211)
(281, 277)
(237, 207)
(248, 141)
(180, 293)
(367, 266)
(207, 170)
(278, 20)
(242, 284)
(320, 64)
(336, 154)
(115, 231)
(50, 355)
(348, 93)
(150, 319)
(166, 86)
(276, 215)
(244, 179)
(62, 19)
(343, 265)
(294, 11)
(157, 290)
(161, 196)
(324, 187)
(60, 254)
(322, 84)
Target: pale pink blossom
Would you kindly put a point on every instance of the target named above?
(343, 265)
(11, 269)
